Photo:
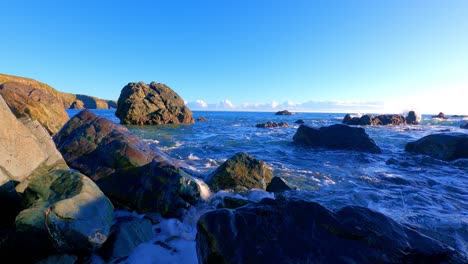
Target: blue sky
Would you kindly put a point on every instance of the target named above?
(338, 56)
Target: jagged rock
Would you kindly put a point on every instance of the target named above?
(284, 112)
(370, 120)
(151, 104)
(38, 103)
(411, 118)
(271, 125)
(277, 185)
(125, 235)
(440, 115)
(336, 137)
(443, 146)
(126, 170)
(240, 172)
(283, 231)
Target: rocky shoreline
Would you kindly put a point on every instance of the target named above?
(61, 193)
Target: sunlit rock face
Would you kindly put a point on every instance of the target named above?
(151, 104)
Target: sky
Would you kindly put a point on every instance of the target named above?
(250, 55)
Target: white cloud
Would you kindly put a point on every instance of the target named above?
(197, 105)
(225, 105)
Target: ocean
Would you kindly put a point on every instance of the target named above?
(430, 196)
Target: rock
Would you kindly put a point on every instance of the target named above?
(299, 121)
(65, 213)
(81, 101)
(38, 103)
(278, 231)
(202, 119)
(370, 120)
(271, 125)
(27, 148)
(412, 118)
(440, 115)
(232, 203)
(465, 126)
(443, 146)
(151, 104)
(59, 259)
(284, 112)
(240, 172)
(336, 137)
(125, 235)
(277, 185)
(127, 171)
(78, 104)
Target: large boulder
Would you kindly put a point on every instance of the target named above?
(151, 104)
(443, 146)
(336, 137)
(241, 172)
(412, 118)
(282, 231)
(65, 212)
(126, 169)
(27, 148)
(38, 103)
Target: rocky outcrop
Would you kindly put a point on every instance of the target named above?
(370, 120)
(151, 104)
(127, 171)
(241, 172)
(440, 115)
(336, 137)
(286, 231)
(443, 146)
(412, 118)
(284, 112)
(36, 102)
(81, 101)
(202, 119)
(27, 148)
(277, 185)
(272, 125)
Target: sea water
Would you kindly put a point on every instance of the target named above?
(428, 195)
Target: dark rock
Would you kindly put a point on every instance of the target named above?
(299, 121)
(240, 172)
(277, 185)
(440, 115)
(272, 125)
(11, 204)
(37, 102)
(202, 119)
(336, 137)
(59, 259)
(126, 170)
(232, 203)
(306, 232)
(370, 120)
(393, 120)
(443, 146)
(284, 112)
(411, 118)
(125, 235)
(153, 104)
(465, 126)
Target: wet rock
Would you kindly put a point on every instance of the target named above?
(336, 137)
(127, 170)
(440, 115)
(202, 119)
(465, 126)
(271, 125)
(443, 146)
(151, 104)
(277, 185)
(299, 121)
(370, 120)
(240, 172)
(283, 231)
(411, 118)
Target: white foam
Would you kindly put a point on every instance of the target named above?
(205, 191)
(193, 157)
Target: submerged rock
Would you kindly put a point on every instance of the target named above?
(279, 231)
(271, 125)
(240, 172)
(126, 169)
(151, 104)
(443, 146)
(336, 137)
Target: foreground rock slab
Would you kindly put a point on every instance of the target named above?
(151, 104)
(127, 170)
(305, 232)
(336, 137)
